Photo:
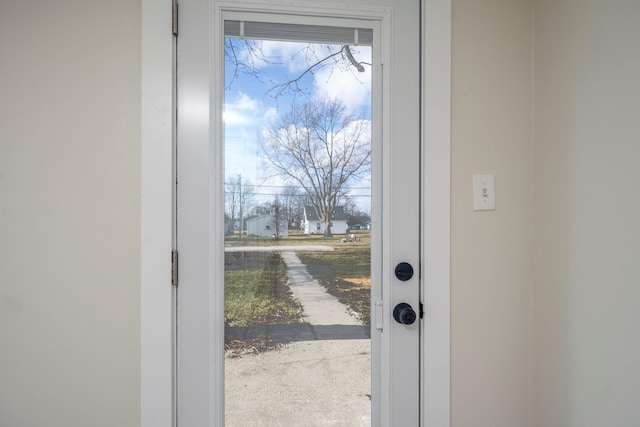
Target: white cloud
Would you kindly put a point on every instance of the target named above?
(245, 102)
(291, 55)
(242, 110)
(346, 83)
(270, 114)
(260, 54)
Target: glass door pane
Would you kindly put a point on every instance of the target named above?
(297, 138)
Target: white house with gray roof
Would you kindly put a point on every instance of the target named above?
(312, 224)
(265, 226)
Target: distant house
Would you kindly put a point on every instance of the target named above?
(312, 224)
(366, 226)
(265, 226)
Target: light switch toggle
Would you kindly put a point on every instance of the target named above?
(484, 193)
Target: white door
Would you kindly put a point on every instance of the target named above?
(395, 206)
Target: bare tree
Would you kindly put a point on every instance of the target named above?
(263, 208)
(357, 218)
(320, 147)
(278, 216)
(293, 201)
(349, 204)
(238, 199)
(277, 212)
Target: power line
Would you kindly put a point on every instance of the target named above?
(290, 186)
(351, 196)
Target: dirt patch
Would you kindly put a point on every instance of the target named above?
(238, 347)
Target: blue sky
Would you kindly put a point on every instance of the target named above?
(248, 108)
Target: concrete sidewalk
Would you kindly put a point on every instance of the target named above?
(320, 307)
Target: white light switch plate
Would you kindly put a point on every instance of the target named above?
(484, 193)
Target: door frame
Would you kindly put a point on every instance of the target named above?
(157, 381)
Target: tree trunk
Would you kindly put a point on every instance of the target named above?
(327, 229)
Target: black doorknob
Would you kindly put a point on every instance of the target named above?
(404, 314)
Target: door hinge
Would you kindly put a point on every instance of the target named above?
(174, 268)
(421, 310)
(174, 18)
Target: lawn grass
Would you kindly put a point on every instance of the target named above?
(256, 292)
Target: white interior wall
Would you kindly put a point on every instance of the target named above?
(490, 255)
(69, 213)
(586, 204)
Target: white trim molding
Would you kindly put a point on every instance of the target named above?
(156, 293)
(436, 212)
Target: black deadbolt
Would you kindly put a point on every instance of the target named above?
(403, 313)
(404, 271)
